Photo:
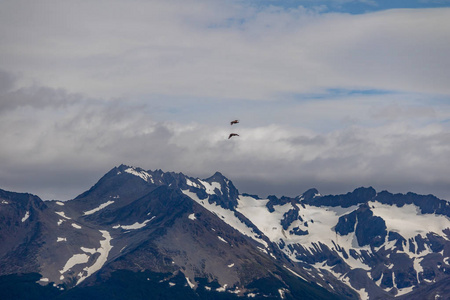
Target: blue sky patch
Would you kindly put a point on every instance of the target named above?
(341, 93)
(354, 6)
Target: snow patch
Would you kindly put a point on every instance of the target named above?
(281, 292)
(231, 265)
(142, 174)
(193, 184)
(295, 273)
(60, 222)
(62, 214)
(76, 259)
(134, 226)
(27, 215)
(100, 207)
(88, 250)
(222, 289)
(5, 202)
(222, 239)
(59, 203)
(363, 295)
(61, 239)
(211, 187)
(192, 216)
(262, 250)
(190, 283)
(76, 226)
(105, 247)
(44, 279)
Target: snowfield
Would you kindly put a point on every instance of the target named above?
(227, 216)
(409, 221)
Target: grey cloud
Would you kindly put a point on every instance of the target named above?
(38, 97)
(46, 151)
(265, 160)
(174, 77)
(161, 48)
(307, 141)
(7, 81)
(395, 112)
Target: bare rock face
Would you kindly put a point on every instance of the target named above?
(137, 233)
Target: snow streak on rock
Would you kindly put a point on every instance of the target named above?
(142, 174)
(27, 215)
(134, 226)
(76, 259)
(100, 207)
(211, 187)
(76, 226)
(105, 247)
(62, 214)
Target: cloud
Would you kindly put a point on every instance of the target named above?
(47, 151)
(222, 49)
(395, 111)
(326, 100)
(7, 81)
(13, 96)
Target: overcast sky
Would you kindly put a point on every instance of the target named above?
(332, 94)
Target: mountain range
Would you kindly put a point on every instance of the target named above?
(140, 234)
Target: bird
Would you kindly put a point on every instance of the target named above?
(232, 134)
(234, 122)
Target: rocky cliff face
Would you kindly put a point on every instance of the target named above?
(137, 232)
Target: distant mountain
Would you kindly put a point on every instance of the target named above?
(140, 234)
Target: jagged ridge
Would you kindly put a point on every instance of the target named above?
(219, 240)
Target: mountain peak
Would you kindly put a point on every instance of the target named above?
(309, 194)
(217, 177)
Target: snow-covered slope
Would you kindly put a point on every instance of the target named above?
(379, 245)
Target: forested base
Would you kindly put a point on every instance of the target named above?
(130, 285)
(25, 287)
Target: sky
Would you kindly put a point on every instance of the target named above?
(332, 94)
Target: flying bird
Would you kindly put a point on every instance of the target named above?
(232, 134)
(234, 122)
